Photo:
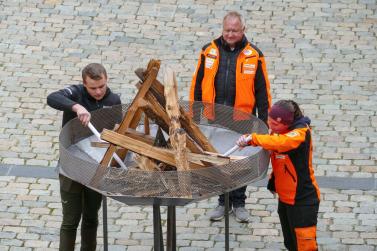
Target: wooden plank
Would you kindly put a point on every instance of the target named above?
(157, 153)
(147, 129)
(134, 123)
(231, 157)
(99, 144)
(132, 111)
(130, 133)
(214, 160)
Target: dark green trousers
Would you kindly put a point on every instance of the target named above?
(78, 202)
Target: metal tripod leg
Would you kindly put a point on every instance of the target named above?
(104, 220)
(226, 214)
(171, 244)
(157, 229)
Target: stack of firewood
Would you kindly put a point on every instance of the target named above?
(186, 148)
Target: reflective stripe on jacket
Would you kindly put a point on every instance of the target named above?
(250, 68)
(292, 177)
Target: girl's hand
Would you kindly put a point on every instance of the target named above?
(244, 140)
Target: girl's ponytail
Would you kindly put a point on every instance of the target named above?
(297, 111)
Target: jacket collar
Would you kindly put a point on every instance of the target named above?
(300, 123)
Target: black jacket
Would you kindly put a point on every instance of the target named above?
(63, 100)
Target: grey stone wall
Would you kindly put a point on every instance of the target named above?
(320, 53)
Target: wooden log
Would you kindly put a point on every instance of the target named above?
(132, 111)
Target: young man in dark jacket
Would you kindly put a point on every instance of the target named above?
(78, 201)
(231, 71)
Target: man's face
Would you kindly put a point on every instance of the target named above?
(232, 31)
(96, 88)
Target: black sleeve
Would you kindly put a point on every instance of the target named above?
(63, 99)
(261, 95)
(117, 109)
(198, 80)
(271, 183)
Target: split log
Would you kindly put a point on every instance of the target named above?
(176, 133)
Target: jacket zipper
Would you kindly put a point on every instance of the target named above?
(226, 76)
(287, 171)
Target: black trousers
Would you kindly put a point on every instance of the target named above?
(236, 198)
(299, 224)
(78, 202)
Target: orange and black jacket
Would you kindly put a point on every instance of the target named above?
(236, 78)
(292, 176)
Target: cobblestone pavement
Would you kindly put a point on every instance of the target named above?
(30, 217)
(323, 54)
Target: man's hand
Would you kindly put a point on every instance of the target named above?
(244, 140)
(82, 114)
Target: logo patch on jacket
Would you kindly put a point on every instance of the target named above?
(213, 52)
(277, 156)
(209, 62)
(249, 68)
(247, 52)
(292, 134)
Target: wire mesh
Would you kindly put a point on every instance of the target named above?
(80, 161)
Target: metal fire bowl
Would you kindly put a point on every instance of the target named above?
(80, 161)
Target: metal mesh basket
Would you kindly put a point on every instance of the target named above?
(80, 161)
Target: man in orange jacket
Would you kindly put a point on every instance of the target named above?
(231, 71)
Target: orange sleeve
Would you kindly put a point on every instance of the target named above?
(280, 142)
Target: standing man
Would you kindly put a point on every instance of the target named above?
(78, 201)
(231, 71)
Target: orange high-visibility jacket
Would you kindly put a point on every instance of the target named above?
(250, 71)
(292, 176)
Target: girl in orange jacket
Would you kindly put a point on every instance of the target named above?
(292, 176)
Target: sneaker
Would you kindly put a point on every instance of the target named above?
(242, 215)
(218, 213)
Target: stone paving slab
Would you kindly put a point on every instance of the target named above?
(30, 217)
(322, 54)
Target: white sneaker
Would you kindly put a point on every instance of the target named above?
(242, 215)
(218, 213)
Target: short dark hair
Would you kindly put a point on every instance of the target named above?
(94, 71)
